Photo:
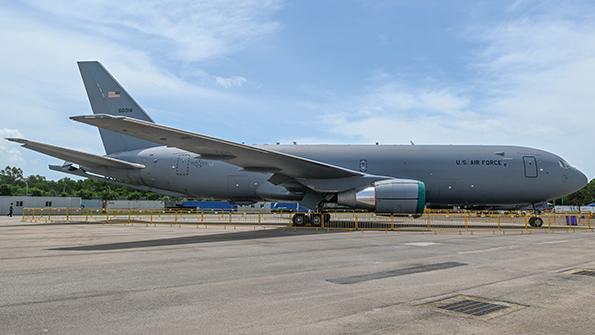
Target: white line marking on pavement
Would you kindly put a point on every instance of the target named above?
(554, 242)
(421, 244)
(485, 250)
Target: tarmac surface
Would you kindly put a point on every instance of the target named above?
(121, 279)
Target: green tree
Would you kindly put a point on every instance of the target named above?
(10, 175)
(136, 195)
(12, 182)
(152, 196)
(36, 192)
(584, 196)
(108, 195)
(86, 193)
(5, 189)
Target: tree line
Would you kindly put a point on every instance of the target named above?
(12, 182)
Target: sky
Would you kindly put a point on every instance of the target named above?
(265, 71)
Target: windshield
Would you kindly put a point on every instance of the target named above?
(563, 164)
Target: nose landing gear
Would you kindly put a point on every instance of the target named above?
(535, 221)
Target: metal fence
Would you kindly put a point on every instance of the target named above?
(458, 221)
(150, 216)
(431, 221)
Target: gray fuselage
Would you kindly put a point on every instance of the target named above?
(453, 174)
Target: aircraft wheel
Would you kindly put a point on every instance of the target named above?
(316, 219)
(538, 222)
(326, 217)
(535, 221)
(298, 219)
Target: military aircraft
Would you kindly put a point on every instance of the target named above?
(386, 179)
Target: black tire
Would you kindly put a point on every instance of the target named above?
(316, 220)
(535, 221)
(326, 217)
(538, 222)
(298, 220)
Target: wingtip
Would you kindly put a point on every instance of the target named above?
(79, 117)
(17, 140)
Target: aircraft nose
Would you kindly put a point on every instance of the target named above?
(578, 180)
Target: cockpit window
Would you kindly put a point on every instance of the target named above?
(563, 164)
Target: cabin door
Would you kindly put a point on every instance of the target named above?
(530, 166)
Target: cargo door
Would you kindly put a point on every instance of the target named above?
(530, 166)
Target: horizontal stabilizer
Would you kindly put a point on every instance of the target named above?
(78, 157)
(109, 180)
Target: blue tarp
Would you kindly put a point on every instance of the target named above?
(571, 220)
(213, 205)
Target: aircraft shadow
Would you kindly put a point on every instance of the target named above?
(197, 239)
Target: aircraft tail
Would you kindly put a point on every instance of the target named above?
(107, 96)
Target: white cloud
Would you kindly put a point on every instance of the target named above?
(534, 87)
(230, 82)
(398, 98)
(40, 88)
(515, 5)
(396, 113)
(40, 85)
(539, 72)
(189, 30)
(8, 151)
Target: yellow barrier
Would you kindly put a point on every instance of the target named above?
(354, 220)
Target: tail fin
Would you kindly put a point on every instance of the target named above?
(107, 96)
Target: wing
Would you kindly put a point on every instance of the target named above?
(248, 157)
(78, 157)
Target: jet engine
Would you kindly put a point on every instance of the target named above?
(403, 196)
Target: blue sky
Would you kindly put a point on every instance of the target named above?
(435, 72)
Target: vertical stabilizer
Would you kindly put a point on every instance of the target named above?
(107, 96)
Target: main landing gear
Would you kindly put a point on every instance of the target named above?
(317, 219)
